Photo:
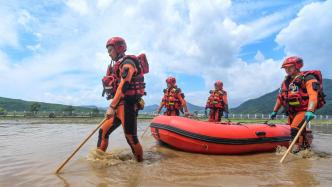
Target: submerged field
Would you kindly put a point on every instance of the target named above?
(33, 148)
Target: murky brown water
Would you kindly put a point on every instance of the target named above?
(30, 153)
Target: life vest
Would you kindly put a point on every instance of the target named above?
(215, 100)
(136, 86)
(293, 94)
(171, 99)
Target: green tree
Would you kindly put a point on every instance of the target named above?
(95, 112)
(2, 111)
(51, 115)
(34, 108)
(69, 110)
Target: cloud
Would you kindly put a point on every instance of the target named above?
(25, 18)
(259, 56)
(103, 4)
(79, 6)
(8, 28)
(308, 36)
(179, 37)
(4, 63)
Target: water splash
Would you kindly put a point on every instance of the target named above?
(312, 155)
(306, 153)
(281, 150)
(100, 159)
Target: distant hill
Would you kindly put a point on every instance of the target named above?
(21, 105)
(150, 108)
(193, 108)
(265, 103)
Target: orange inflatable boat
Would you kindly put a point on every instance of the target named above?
(218, 138)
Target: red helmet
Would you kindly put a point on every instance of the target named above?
(293, 61)
(118, 43)
(171, 80)
(218, 84)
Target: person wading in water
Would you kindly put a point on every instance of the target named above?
(301, 93)
(124, 86)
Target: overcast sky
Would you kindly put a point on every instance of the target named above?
(54, 50)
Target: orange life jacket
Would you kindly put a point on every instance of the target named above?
(215, 100)
(171, 99)
(136, 86)
(294, 95)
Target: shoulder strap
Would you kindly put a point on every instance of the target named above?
(131, 59)
(109, 70)
(287, 81)
(313, 74)
(178, 90)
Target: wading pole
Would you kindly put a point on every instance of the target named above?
(292, 144)
(144, 132)
(79, 147)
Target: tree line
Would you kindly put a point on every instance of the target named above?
(34, 110)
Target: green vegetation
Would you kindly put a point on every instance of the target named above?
(34, 108)
(18, 105)
(2, 111)
(69, 110)
(95, 112)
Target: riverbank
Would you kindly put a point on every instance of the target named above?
(96, 120)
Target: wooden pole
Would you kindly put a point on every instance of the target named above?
(79, 147)
(144, 132)
(295, 139)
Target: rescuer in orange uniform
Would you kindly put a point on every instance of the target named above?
(173, 99)
(301, 93)
(124, 85)
(217, 103)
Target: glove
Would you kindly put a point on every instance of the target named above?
(309, 116)
(140, 104)
(226, 115)
(273, 115)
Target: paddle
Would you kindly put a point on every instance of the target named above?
(295, 139)
(79, 147)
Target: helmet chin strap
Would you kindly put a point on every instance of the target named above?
(120, 56)
(296, 73)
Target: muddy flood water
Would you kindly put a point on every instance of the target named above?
(30, 153)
